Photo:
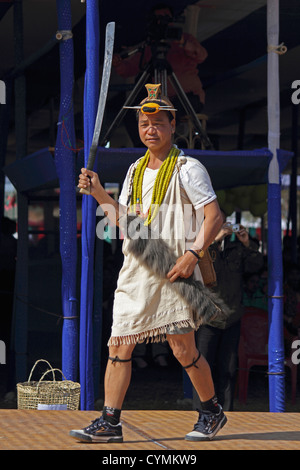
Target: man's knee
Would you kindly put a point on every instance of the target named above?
(184, 352)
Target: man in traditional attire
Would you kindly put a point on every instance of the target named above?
(159, 295)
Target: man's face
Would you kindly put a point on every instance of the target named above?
(156, 130)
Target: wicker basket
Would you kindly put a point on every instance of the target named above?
(45, 394)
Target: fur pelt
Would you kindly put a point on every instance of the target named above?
(156, 255)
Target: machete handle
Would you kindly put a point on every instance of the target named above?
(89, 166)
(86, 191)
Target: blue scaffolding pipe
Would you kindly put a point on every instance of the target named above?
(65, 165)
(275, 302)
(91, 94)
(275, 291)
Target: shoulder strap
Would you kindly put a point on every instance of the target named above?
(131, 172)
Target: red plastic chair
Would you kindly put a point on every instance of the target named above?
(253, 350)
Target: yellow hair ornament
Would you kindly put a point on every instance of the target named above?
(154, 102)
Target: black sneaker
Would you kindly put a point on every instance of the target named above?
(207, 426)
(99, 431)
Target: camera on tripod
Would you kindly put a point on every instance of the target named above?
(161, 27)
(161, 30)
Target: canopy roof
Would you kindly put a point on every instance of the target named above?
(226, 169)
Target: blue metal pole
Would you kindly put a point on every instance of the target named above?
(65, 165)
(91, 94)
(275, 307)
(275, 304)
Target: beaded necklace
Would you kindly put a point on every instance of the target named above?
(160, 185)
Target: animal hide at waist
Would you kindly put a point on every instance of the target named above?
(157, 256)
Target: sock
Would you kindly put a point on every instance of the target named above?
(210, 405)
(112, 415)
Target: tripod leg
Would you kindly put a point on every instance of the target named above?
(130, 100)
(189, 109)
(160, 76)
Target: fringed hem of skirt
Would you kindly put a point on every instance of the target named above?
(154, 335)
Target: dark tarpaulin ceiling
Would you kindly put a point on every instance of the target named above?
(131, 18)
(4, 7)
(43, 76)
(234, 74)
(245, 42)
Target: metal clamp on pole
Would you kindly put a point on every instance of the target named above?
(64, 35)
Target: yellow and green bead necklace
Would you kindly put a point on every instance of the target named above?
(160, 187)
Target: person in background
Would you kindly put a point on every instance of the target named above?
(232, 259)
(254, 295)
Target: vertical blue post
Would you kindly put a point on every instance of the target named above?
(65, 165)
(91, 94)
(275, 307)
(275, 303)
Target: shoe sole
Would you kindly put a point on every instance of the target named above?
(94, 439)
(203, 437)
